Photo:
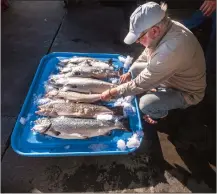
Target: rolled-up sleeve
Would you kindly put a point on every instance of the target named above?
(161, 67)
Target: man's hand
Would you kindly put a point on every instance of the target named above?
(208, 7)
(108, 94)
(105, 96)
(125, 77)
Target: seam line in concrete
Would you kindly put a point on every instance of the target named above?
(56, 33)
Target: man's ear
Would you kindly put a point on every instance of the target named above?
(155, 31)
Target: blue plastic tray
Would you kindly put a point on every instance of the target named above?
(28, 143)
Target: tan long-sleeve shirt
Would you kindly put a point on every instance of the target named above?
(177, 62)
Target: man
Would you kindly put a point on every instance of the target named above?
(170, 73)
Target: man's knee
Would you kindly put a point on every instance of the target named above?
(150, 104)
(146, 102)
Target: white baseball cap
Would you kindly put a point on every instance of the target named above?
(144, 17)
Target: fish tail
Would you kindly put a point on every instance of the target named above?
(125, 124)
(118, 110)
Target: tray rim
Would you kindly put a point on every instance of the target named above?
(57, 154)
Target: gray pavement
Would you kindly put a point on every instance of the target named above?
(28, 29)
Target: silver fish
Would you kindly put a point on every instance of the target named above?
(82, 110)
(94, 72)
(75, 60)
(69, 67)
(83, 85)
(76, 128)
(73, 96)
(86, 61)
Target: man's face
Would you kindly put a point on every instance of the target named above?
(147, 37)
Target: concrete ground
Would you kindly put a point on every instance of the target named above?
(31, 29)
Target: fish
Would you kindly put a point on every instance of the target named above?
(78, 128)
(73, 96)
(88, 72)
(86, 61)
(83, 85)
(72, 109)
(74, 60)
(100, 65)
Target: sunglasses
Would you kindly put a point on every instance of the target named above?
(142, 35)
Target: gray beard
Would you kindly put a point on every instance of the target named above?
(163, 32)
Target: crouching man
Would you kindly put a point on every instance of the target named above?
(170, 73)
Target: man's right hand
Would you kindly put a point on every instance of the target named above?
(125, 77)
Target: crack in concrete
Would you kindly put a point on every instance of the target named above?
(56, 33)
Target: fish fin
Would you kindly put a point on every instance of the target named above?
(107, 133)
(79, 136)
(125, 124)
(120, 71)
(118, 110)
(57, 133)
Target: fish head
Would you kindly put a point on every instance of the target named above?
(65, 70)
(76, 71)
(41, 125)
(57, 76)
(63, 62)
(61, 81)
(57, 81)
(45, 106)
(52, 93)
(52, 80)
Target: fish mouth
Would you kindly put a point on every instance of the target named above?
(52, 93)
(42, 126)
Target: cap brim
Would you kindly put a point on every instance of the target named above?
(131, 38)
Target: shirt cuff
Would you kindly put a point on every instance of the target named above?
(121, 89)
